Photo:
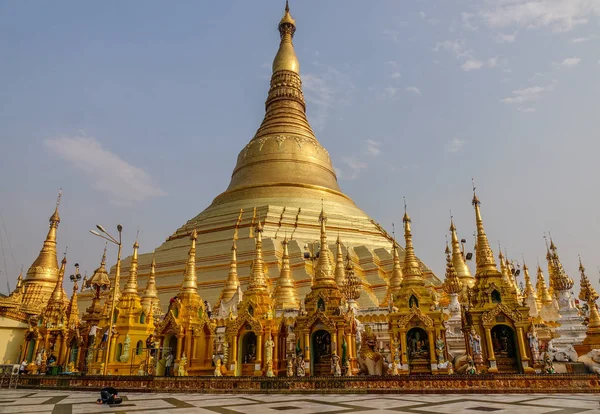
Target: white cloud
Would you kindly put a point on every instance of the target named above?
(373, 147)
(568, 62)
(455, 46)
(559, 15)
(414, 90)
(390, 91)
(354, 165)
(396, 75)
(475, 64)
(123, 182)
(455, 145)
(583, 39)
(528, 109)
(527, 94)
(319, 93)
(506, 38)
(467, 19)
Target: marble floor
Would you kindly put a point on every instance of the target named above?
(80, 402)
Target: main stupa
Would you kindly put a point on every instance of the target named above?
(283, 177)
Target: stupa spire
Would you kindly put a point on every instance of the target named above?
(542, 289)
(411, 269)
(286, 295)
(258, 282)
(560, 281)
(42, 275)
(150, 299)
(458, 259)
(590, 296)
(324, 269)
(340, 276)
(484, 255)
(396, 276)
(57, 294)
(233, 281)
(529, 290)
(190, 280)
(452, 284)
(131, 287)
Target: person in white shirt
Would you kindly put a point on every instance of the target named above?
(92, 335)
(23, 367)
(168, 364)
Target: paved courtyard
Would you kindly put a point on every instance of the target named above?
(61, 402)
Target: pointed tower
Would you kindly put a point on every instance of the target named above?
(395, 278)
(590, 296)
(54, 313)
(233, 281)
(339, 264)
(43, 273)
(189, 286)
(452, 285)
(73, 308)
(286, 295)
(98, 284)
(411, 270)
(129, 302)
(458, 260)
(548, 312)
(530, 296)
(494, 294)
(150, 301)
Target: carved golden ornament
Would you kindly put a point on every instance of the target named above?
(489, 318)
(319, 316)
(415, 312)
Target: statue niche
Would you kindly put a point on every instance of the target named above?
(369, 360)
(321, 353)
(417, 344)
(248, 353)
(505, 349)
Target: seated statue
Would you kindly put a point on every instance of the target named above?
(369, 360)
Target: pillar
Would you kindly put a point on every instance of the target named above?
(188, 346)
(210, 350)
(179, 346)
(350, 354)
(403, 346)
(113, 348)
(259, 348)
(276, 352)
(432, 356)
(340, 340)
(233, 355)
(491, 357)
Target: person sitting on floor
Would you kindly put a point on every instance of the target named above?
(109, 395)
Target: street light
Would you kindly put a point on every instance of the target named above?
(111, 239)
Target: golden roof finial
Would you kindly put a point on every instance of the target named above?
(233, 282)
(286, 295)
(190, 280)
(452, 284)
(57, 294)
(559, 280)
(411, 269)
(542, 289)
(396, 277)
(131, 287)
(286, 56)
(323, 268)
(458, 259)
(484, 255)
(258, 282)
(150, 301)
(340, 276)
(590, 296)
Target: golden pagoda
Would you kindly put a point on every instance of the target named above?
(283, 174)
(417, 323)
(150, 301)
(590, 296)
(322, 326)
(496, 320)
(285, 294)
(458, 260)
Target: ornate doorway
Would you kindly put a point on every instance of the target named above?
(247, 351)
(419, 358)
(320, 353)
(505, 349)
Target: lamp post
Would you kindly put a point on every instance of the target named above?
(311, 252)
(104, 234)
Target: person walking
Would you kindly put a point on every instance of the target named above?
(168, 364)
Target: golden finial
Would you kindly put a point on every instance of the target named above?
(405, 218)
(396, 276)
(340, 277)
(190, 280)
(411, 269)
(131, 287)
(484, 255)
(452, 284)
(475, 201)
(233, 282)
(258, 281)
(286, 59)
(458, 258)
(286, 295)
(55, 217)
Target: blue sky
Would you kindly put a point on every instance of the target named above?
(138, 110)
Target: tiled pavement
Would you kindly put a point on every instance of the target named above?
(83, 402)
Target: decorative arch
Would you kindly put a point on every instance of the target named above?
(415, 312)
(489, 318)
(319, 316)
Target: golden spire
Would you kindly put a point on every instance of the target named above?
(258, 282)
(452, 284)
(286, 59)
(559, 279)
(340, 276)
(529, 290)
(190, 280)
(150, 299)
(484, 255)
(131, 287)
(396, 276)
(542, 289)
(233, 281)
(57, 294)
(73, 308)
(590, 296)
(43, 272)
(506, 276)
(458, 259)
(286, 295)
(411, 269)
(324, 269)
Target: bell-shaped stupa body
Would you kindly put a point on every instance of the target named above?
(284, 177)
